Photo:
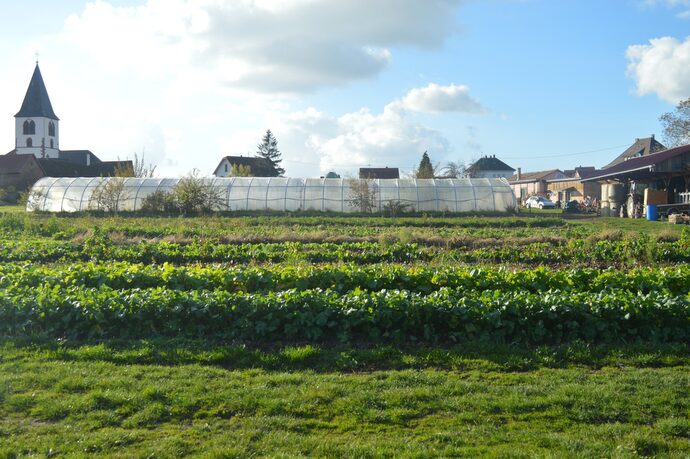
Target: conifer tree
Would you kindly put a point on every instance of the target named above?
(425, 169)
(268, 149)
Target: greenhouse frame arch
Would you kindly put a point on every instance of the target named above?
(287, 194)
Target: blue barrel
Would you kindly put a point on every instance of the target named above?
(652, 213)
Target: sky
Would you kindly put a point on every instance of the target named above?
(345, 84)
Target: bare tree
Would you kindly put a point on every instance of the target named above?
(362, 194)
(453, 169)
(110, 194)
(141, 169)
(676, 125)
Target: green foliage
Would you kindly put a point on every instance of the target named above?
(159, 201)
(240, 170)
(394, 208)
(316, 315)
(425, 169)
(193, 195)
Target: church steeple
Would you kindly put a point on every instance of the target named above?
(36, 125)
(36, 101)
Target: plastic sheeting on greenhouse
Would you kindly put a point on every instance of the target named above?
(287, 194)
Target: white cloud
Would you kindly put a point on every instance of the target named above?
(320, 142)
(661, 67)
(684, 5)
(437, 99)
(262, 45)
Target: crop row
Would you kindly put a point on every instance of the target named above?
(344, 278)
(447, 315)
(135, 225)
(639, 250)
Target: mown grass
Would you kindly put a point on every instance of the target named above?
(175, 399)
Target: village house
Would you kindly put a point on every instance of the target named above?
(258, 166)
(489, 167)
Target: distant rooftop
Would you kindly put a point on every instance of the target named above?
(641, 147)
(379, 173)
(489, 163)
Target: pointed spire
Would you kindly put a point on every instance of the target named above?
(36, 102)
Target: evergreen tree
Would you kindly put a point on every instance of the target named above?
(268, 149)
(425, 169)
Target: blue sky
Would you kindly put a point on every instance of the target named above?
(539, 83)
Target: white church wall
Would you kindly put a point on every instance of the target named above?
(40, 135)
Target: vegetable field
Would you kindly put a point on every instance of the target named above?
(535, 333)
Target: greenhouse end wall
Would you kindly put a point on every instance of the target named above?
(286, 194)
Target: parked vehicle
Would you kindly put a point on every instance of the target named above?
(539, 202)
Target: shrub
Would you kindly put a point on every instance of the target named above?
(193, 194)
(159, 202)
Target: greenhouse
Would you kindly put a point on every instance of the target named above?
(283, 194)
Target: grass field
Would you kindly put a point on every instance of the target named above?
(514, 336)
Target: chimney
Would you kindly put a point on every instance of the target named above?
(519, 173)
(652, 136)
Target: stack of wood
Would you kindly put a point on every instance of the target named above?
(678, 219)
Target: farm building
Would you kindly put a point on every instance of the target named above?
(288, 194)
(658, 178)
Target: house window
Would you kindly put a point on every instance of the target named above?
(51, 129)
(226, 167)
(29, 142)
(51, 143)
(29, 127)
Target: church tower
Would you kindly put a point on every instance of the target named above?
(36, 125)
